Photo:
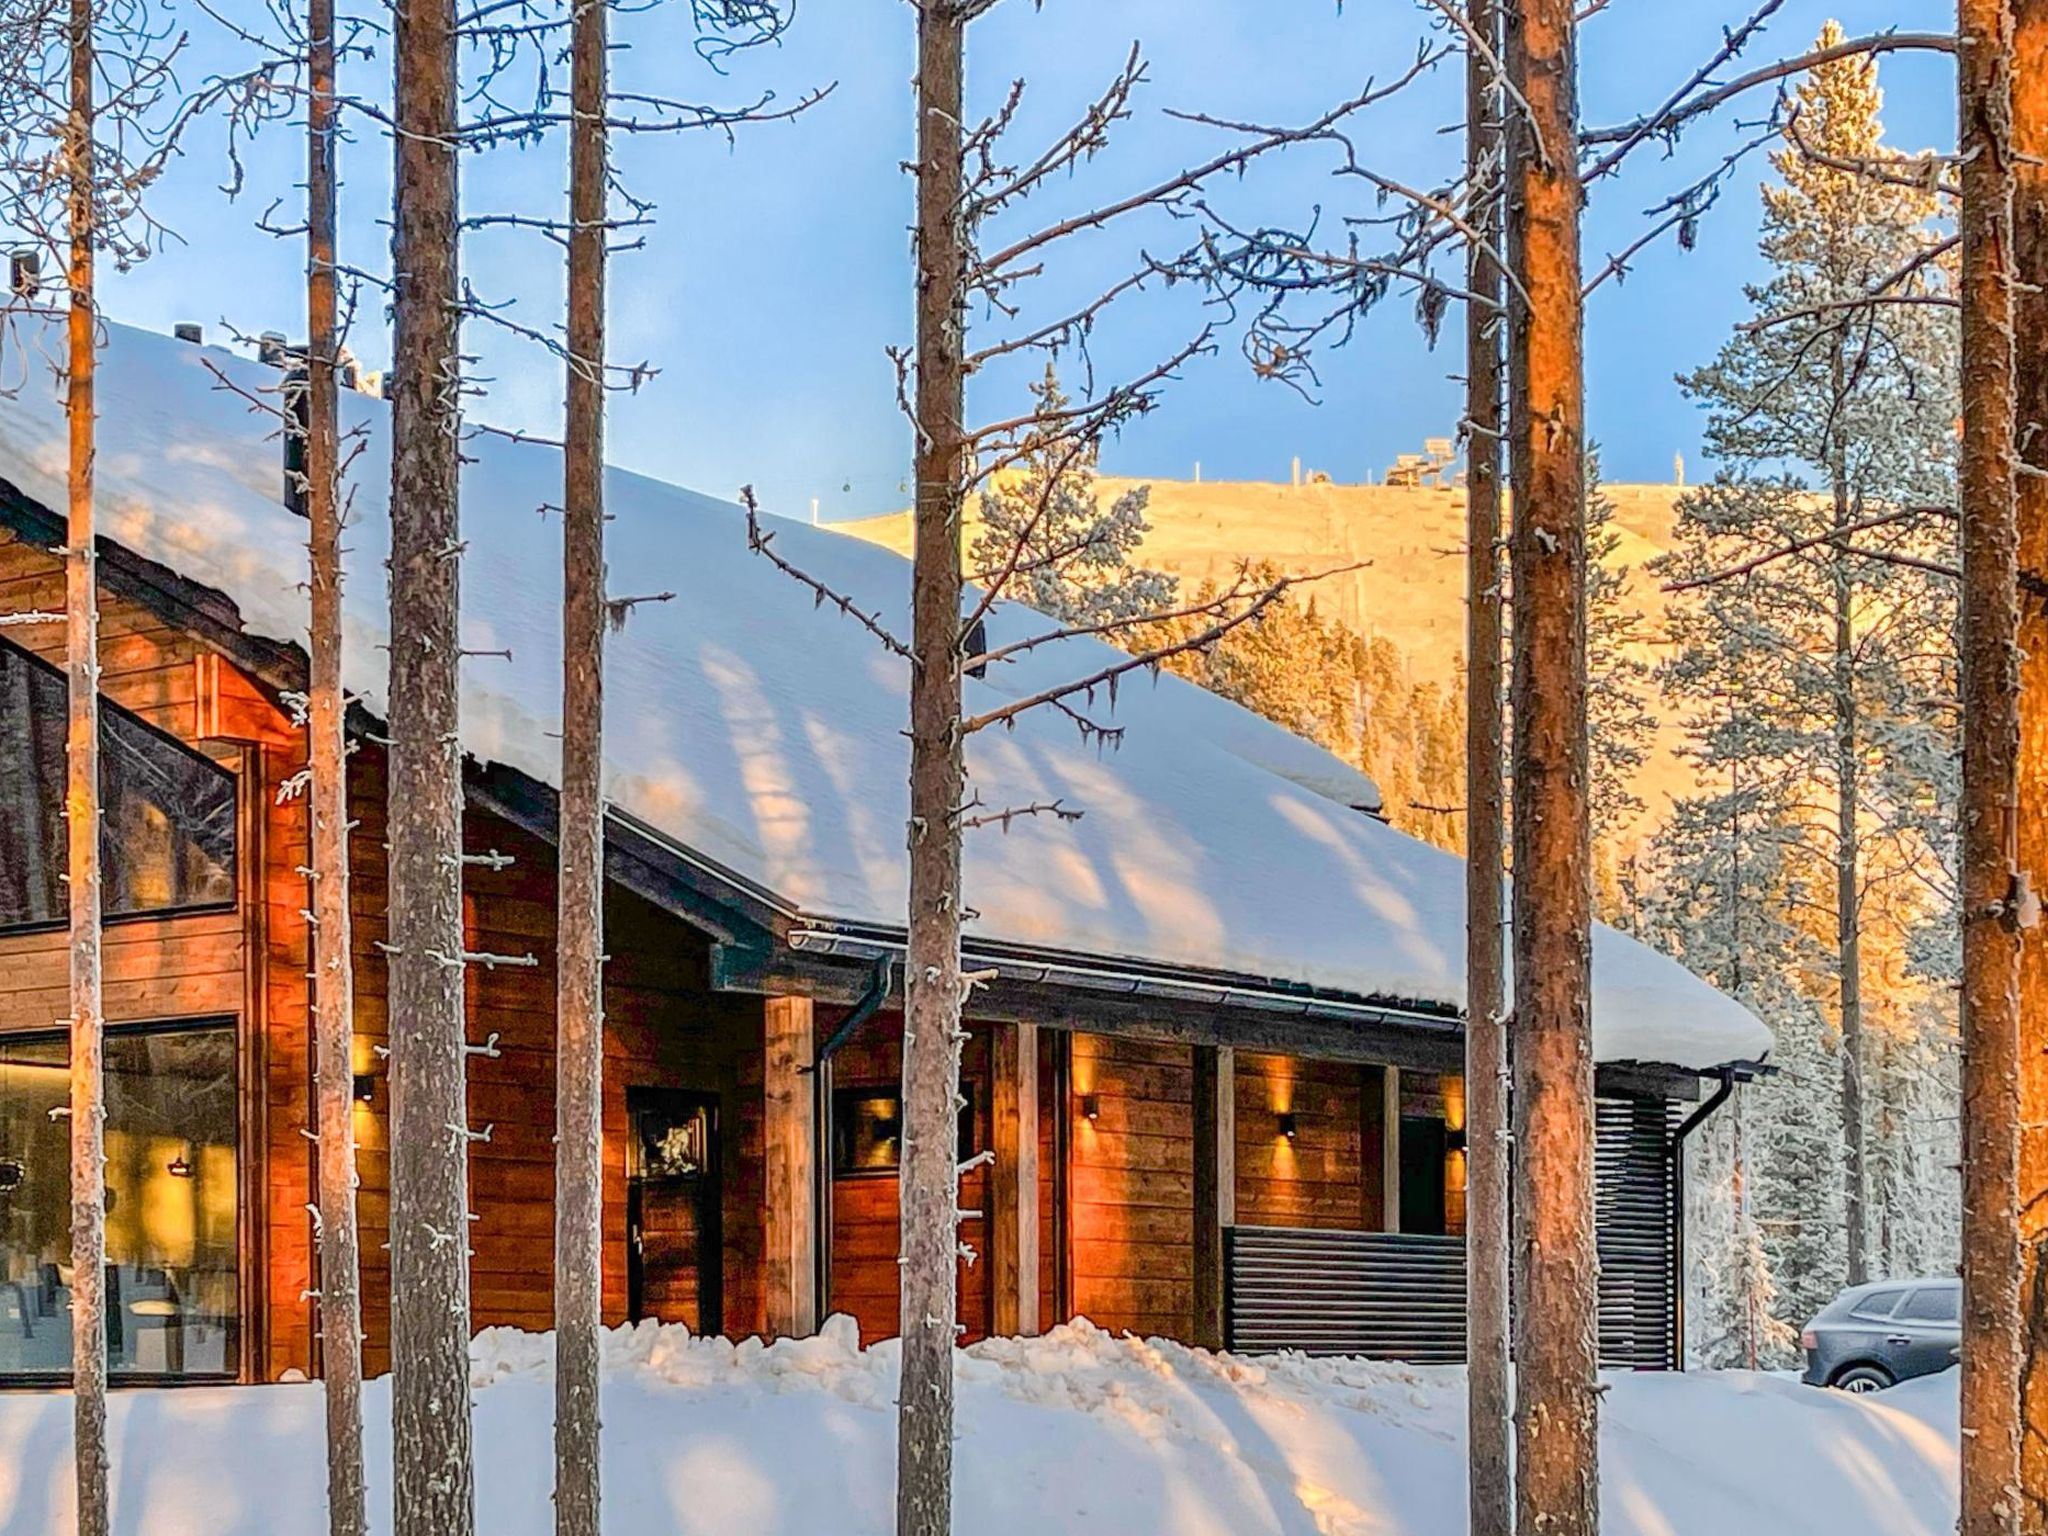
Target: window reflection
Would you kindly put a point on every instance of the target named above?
(167, 815)
(173, 1292)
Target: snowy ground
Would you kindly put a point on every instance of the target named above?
(1076, 1432)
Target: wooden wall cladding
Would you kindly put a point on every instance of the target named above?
(664, 1028)
(1324, 1176)
(864, 1233)
(1131, 1184)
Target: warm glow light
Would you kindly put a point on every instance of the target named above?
(1288, 1125)
(1091, 1108)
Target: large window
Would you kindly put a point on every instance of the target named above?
(167, 830)
(173, 1288)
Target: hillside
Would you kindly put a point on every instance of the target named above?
(1412, 591)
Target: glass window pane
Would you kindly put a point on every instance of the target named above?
(35, 1210)
(168, 814)
(1937, 1304)
(173, 1288)
(31, 794)
(1878, 1305)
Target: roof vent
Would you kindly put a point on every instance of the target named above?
(24, 273)
(189, 330)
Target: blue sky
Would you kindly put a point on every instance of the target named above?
(778, 270)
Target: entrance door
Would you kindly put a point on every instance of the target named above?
(673, 1253)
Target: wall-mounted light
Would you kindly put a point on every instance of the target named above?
(365, 1088)
(1454, 1139)
(178, 1167)
(1287, 1124)
(1091, 1108)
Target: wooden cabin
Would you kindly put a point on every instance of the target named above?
(1178, 1149)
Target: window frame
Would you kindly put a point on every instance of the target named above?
(248, 1300)
(235, 778)
(967, 1145)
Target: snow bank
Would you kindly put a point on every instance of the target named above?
(766, 735)
(1077, 1433)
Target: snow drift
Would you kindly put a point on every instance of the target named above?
(1077, 1432)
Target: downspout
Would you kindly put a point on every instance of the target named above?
(880, 983)
(1686, 1127)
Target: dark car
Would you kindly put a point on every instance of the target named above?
(1873, 1336)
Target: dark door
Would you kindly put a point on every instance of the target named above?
(674, 1259)
(1927, 1329)
(1424, 1143)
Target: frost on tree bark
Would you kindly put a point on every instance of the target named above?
(429, 1126)
(82, 822)
(932, 977)
(579, 1002)
(2030, 304)
(1990, 1450)
(1491, 1491)
(1556, 1414)
(340, 1300)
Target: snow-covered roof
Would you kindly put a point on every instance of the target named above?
(766, 734)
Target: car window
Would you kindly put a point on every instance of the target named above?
(1878, 1304)
(1936, 1304)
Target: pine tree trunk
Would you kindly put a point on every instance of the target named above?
(1491, 1490)
(932, 981)
(82, 826)
(1848, 872)
(2030, 303)
(431, 1428)
(1989, 811)
(1556, 1412)
(579, 1002)
(341, 1313)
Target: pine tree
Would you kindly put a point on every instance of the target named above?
(1989, 686)
(1046, 536)
(1557, 1412)
(1725, 885)
(2030, 304)
(433, 1468)
(579, 982)
(82, 807)
(1488, 1240)
(1619, 690)
(341, 1316)
(934, 987)
(1832, 426)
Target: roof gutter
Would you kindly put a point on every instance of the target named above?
(880, 985)
(1128, 983)
(1699, 1117)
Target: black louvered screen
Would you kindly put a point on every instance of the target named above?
(1385, 1295)
(1400, 1296)
(1636, 1208)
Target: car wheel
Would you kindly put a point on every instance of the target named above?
(1863, 1378)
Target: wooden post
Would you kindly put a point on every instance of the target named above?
(1390, 1148)
(1013, 1181)
(1215, 1185)
(789, 1199)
